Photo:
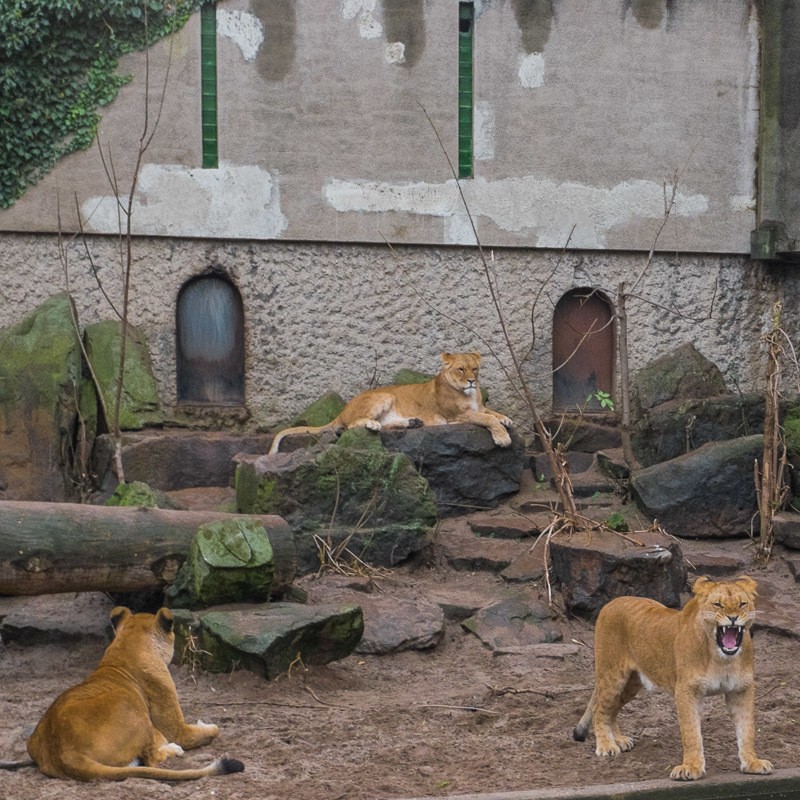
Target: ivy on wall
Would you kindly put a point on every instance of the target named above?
(58, 65)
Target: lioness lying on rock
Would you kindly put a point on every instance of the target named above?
(126, 713)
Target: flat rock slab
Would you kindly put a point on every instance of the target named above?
(55, 618)
(716, 564)
(778, 611)
(266, 638)
(463, 550)
(391, 624)
(520, 621)
(786, 526)
(528, 567)
(595, 566)
(508, 526)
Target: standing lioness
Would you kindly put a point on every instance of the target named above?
(452, 396)
(701, 650)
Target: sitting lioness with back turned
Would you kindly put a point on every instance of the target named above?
(125, 713)
(703, 649)
(452, 396)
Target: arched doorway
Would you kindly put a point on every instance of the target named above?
(583, 350)
(210, 342)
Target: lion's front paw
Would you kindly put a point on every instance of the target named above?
(506, 422)
(625, 743)
(687, 772)
(757, 766)
(501, 438)
(607, 747)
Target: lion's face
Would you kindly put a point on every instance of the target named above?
(728, 609)
(461, 371)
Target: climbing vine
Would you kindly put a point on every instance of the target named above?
(58, 66)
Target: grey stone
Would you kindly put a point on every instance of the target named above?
(679, 427)
(778, 611)
(463, 466)
(593, 567)
(393, 624)
(55, 619)
(522, 620)
(786, 528)
(40, 383)
(504, 526)
(709, 492)
(576, 462)
(528, 567)
(463, 550)
(266, 639)
(578, 434)
(612, 463)
(176, 459)
(682, 374)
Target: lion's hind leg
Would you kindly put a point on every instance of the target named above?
(610, 696)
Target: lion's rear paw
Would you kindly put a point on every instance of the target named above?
(415, 422)
(758, 766)
(170, 749)
(687, 772)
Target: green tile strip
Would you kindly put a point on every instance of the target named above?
(208, 83)
(466, 25)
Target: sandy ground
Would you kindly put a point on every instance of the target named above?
(451, 720)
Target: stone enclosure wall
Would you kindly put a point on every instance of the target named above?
(334, 212)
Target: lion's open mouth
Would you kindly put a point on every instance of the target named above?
(729, 638)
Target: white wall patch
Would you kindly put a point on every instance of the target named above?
(484, 135)
(364, 12)
(396, 53)
(547, 208)
(243, 29)
(531, 70)
(239, 201)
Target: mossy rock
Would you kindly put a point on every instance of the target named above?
(268, 638)
(139, 405)
(140, 494)
(229, 561)
(320, 412)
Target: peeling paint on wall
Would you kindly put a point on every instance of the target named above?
(535, 19)
(364, 12)
(531, 70)
(404, 21)
(276, 58)
(484, 133)
(396, 53)
(243, 29)
(227, 202)
(527, 204)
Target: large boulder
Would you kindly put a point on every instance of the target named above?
(709, 492)
(464, 467)
(682, 374)
(40, 386)
(354, 493)
(593, 567)
(678, 427)
(139, 404)
(267, 638)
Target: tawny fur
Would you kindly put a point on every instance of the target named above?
(125, 712)
(452, 396)
(640, 642)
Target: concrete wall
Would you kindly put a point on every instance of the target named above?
(582, 112)
(321, 316)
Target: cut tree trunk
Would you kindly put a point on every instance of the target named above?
(46, 548)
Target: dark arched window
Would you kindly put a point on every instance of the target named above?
(210, 342)
(583, 350)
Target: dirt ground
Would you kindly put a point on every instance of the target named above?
(451, 720)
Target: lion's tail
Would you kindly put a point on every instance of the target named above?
(17, 764)
(581, 730)
(276, 442)
(91, 770)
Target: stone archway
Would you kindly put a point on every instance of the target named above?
(583, 350)
(210, 343)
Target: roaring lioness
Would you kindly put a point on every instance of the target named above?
(703, 649)
(452, 396)
(125, 713)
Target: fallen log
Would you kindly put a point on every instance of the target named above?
(46, 548)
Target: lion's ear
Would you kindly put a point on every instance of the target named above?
(702, 586)
(118, 615)
(447, 358)
(164, 620)
(477, 357)
(747, 583)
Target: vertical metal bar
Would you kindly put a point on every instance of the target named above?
(466, 26)
(208, 84)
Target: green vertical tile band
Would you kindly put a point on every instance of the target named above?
(466, 25)
(208, 83)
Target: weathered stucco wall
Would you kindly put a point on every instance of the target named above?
(322, 316)
(582, 112)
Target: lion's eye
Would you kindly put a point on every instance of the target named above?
(717, 605)
(743, 604)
